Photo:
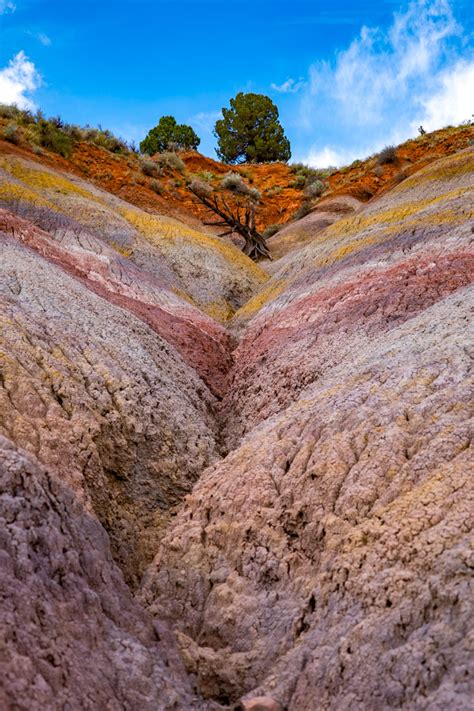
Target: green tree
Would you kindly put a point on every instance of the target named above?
(250, 131)
(167, 133)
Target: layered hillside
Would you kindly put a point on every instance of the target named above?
(219, 485)
(325, 561)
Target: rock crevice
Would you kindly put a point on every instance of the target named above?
(298, 501)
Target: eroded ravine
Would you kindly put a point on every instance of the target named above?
(317, 560)
(310, 527)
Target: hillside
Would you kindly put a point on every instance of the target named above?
(224, 480)
(280, 185)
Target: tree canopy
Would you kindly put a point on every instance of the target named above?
(250, 131)
(169, 132)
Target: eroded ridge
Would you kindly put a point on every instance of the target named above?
(324, 562)
(72, 635)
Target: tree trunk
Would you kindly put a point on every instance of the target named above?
(255, 244)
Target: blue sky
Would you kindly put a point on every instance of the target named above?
(348, 77)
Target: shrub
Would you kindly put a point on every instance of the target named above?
(253, 194)
(387, 155)
(305, 176)
(298, 183)
(315, 189)
(233, 182)
(106, 139)
(270, 231)
(201, 188)
(206, 175)
(8, 111)
(11, 133)
(400, 176)
(170, 161)
(73, 131)
(150, 168)
(53, 139)
(378, 171)
(156, 187)
(55, 135)
(274, 190)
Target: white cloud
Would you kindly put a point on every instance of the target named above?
(290, 86)
(18, 80)
(44, 39)
(387, 82)
(453, 102)
(7, 6)
(41, 37)
(329, 156)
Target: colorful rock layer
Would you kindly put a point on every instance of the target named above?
(300, 506)
(325, 561)
(201, 268)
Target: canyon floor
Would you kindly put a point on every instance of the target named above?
(224, 481)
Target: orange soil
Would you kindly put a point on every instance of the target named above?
(361, 182)
(122, 175)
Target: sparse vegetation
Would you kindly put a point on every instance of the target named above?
(387, 155)
(274, 190)
(150, 168)
(155, 185)
(305, 176)
(11, 133)
(57, 136)
(98, 136)
(206, 175)
(400, 176)
(200, 188)
(235, 184)
(169, 161)
(315, 189)
(50, 136)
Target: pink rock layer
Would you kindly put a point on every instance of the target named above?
(324, 563)
(202, 343)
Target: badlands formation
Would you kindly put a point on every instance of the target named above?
(222, 482)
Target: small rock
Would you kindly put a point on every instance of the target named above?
(259, 703)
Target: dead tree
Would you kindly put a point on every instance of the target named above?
(239, 219)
